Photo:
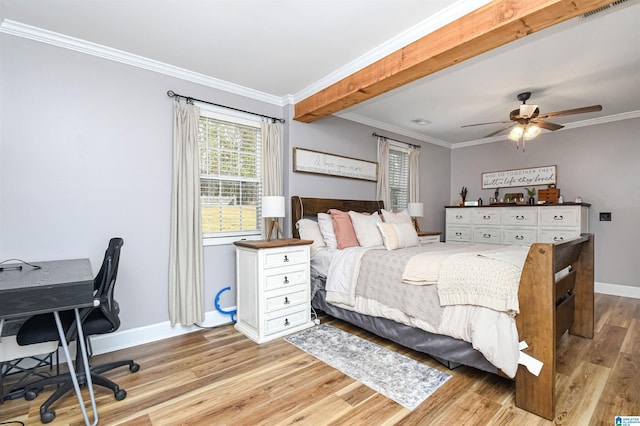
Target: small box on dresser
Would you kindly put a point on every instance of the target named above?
(273, 288)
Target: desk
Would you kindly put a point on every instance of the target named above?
(56, 286)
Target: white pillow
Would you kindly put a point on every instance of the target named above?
(326, 229)
(400, 217)
(366, 230)
(398, 235)
(310, 230)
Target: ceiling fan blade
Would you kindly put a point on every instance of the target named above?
(592, 108)
(501, 130)
(482, 124)
(547, 125)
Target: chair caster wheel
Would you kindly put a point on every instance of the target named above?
(120, 394)
(134, 367)
(47, 416)
(30, 395)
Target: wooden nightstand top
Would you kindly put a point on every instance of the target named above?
(260, 244)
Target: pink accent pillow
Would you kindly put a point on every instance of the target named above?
(343, 228)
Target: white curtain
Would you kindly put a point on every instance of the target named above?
(382, 188)
(414, 175)
(271, 165)
(186, 286)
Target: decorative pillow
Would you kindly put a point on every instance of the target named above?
(326, 229)
(367, 232)
(342, 226)
(398, 235)
(400, 217)
(310, 230)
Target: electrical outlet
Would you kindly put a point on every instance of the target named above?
(605, 216)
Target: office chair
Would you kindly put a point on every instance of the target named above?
(99, 319)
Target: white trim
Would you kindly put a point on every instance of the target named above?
(33, 33)
(618, 290)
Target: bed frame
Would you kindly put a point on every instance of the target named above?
(547, 308)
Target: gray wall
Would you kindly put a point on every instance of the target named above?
(599, 163)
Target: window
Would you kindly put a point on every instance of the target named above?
(230, 181)
(398, 176)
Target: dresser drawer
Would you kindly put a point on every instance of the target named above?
(458, 216)
(277, 258)
(487, 235)
(557, 235)
(285, 320)
(521, 236)
(559, 216)
(295, 296)
(459, 233)
(490, 216)
(522, 216)
(286, 276)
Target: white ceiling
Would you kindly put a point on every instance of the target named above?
(285, 50)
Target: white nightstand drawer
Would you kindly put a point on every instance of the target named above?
(427, 239)
(487, 216)
(559, 216)
(521, 216)
(459, 233)
(487, 235)
(284, 277)
(295, 296)
(557, 235)
(276, 258)
(521, 236)
(286, 320)
(458, 216)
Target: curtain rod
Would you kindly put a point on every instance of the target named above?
(173, 94)
(396, 140)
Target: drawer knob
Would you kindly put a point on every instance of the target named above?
(286, 322)
(518, 217)
(458, 216)
(286, 259)
(486, 235)
(286, 300)
(558, 239)
(558, 217)
(519, 237)
(286, 280)
(485, 217)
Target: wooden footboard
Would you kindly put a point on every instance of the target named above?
(547, 309)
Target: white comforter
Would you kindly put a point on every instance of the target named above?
(490, 331)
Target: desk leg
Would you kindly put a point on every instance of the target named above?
(72, 371)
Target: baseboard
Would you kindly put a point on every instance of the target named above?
(617, 290)
(154, 332)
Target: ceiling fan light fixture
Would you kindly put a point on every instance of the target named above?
(516, 133)
(526, 111)
(531, 131)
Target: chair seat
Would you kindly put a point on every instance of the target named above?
(43, 327)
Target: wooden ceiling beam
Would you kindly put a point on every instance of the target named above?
(486, 28)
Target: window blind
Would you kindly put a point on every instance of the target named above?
(398, 178)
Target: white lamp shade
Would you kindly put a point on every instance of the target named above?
(273, 206)
(415, 209)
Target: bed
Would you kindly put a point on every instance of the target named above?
(555, 295)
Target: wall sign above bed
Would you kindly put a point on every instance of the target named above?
(323, 163)
(545, 175)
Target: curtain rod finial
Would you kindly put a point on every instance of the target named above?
(171, 93)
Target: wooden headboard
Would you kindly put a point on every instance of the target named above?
(302, 206)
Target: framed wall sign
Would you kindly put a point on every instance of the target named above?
(310, 161)
(545, 175)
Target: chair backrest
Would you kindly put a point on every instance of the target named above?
(104, 283)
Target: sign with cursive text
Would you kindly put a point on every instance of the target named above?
(309, 161)
(546, 175)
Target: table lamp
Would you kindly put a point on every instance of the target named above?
(273, 207)
(416, 210)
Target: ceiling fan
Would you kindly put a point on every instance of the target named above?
(527, 121)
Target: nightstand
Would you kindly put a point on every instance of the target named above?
(273, 288)
(426, 237)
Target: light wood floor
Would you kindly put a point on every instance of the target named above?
(219, 377)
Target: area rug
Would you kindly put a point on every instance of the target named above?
(400, 378)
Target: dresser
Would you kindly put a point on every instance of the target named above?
(273, 288)
(517, 224)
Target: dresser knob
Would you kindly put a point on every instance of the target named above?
(286, 259)
(486, 235)
(558, 239)
(519, 217)
(519, 237)
(485, 217)
(286, 301)
(286, 280)
(286, 321)
(558, 217)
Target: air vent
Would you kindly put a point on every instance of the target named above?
(603, 8)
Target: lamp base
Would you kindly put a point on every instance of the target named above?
(415, 223)
(274, 223)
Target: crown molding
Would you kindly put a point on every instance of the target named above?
(60, 40)
(438, 20)
(388, 127)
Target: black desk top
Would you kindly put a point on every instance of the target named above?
(56, 286)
